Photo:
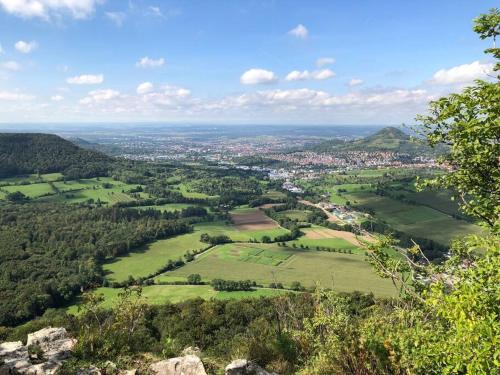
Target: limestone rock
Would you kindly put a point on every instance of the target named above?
(53, 346)
(187, 365)
(191, 350)
(245, 367)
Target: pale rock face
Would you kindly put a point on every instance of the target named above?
(245, 367)
(54, 344)
(187, 365)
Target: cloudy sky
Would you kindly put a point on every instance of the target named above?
(230, 61)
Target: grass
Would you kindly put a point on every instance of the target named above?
(339, 198)
(161, 294)
(274, 194)
(334, 243)
(420, 221)
(188, 193)
(253, 253)
(152, 257)
(221, 228)
(169, 207)
(32, 190)
(343, 272)
(295, 214)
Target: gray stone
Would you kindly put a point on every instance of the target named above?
(54, 346)
(187, 365)
(245, 367)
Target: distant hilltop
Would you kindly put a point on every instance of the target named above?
(387, 139)
(25, 153)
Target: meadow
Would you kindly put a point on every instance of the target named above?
(160, 294)
(343, 272)
(151, 258)
(417, 220)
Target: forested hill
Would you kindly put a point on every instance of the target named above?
(386, 139)
(23, 153)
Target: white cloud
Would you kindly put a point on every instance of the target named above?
(462, 74)
(86, 79)
(300, 31)
(146, 62)
(118, 18)
(25, 47)
(355, 82)
(10, 65)
(155, 11)
(46, 9)
(14, 96)
(255, 76)
(1, 49)
(318, 75)
(144, 88)
(322, 61)
(57, 98)
(97, 96)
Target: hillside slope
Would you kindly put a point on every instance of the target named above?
(386, 139)
(23, 153)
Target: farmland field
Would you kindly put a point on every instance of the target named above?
(345, 272)
(152, 257)
(248, 219)
(31, 190)
(420, 221)
(156, 255)
(160, 294)
(298, 215)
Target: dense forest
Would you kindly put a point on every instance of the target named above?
(47, 153)
(50, 252)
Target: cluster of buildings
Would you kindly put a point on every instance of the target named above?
(357, 159)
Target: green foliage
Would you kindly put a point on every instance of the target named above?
(16, 197)
(49, 252)
(46, 153)
(194, 279)
(104, 335)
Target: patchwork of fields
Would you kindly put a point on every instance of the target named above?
(268, 263)
(330, 258)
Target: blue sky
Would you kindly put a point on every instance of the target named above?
(228, 61)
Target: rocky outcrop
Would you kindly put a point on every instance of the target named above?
(42, 354)
(245, 367)
(187, 365)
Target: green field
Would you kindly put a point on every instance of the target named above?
(69, 191)
(169, 207)
(31, 190)
(343, 272)
(219, 227)
(420, 221)
(189, 193)
(298, 215)
(333, 243)
(339, 198)
(274, 194)
(160, 294)
(152, 257)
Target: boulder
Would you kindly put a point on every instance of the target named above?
(187, 365)
(245, 367)
(51, 346)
